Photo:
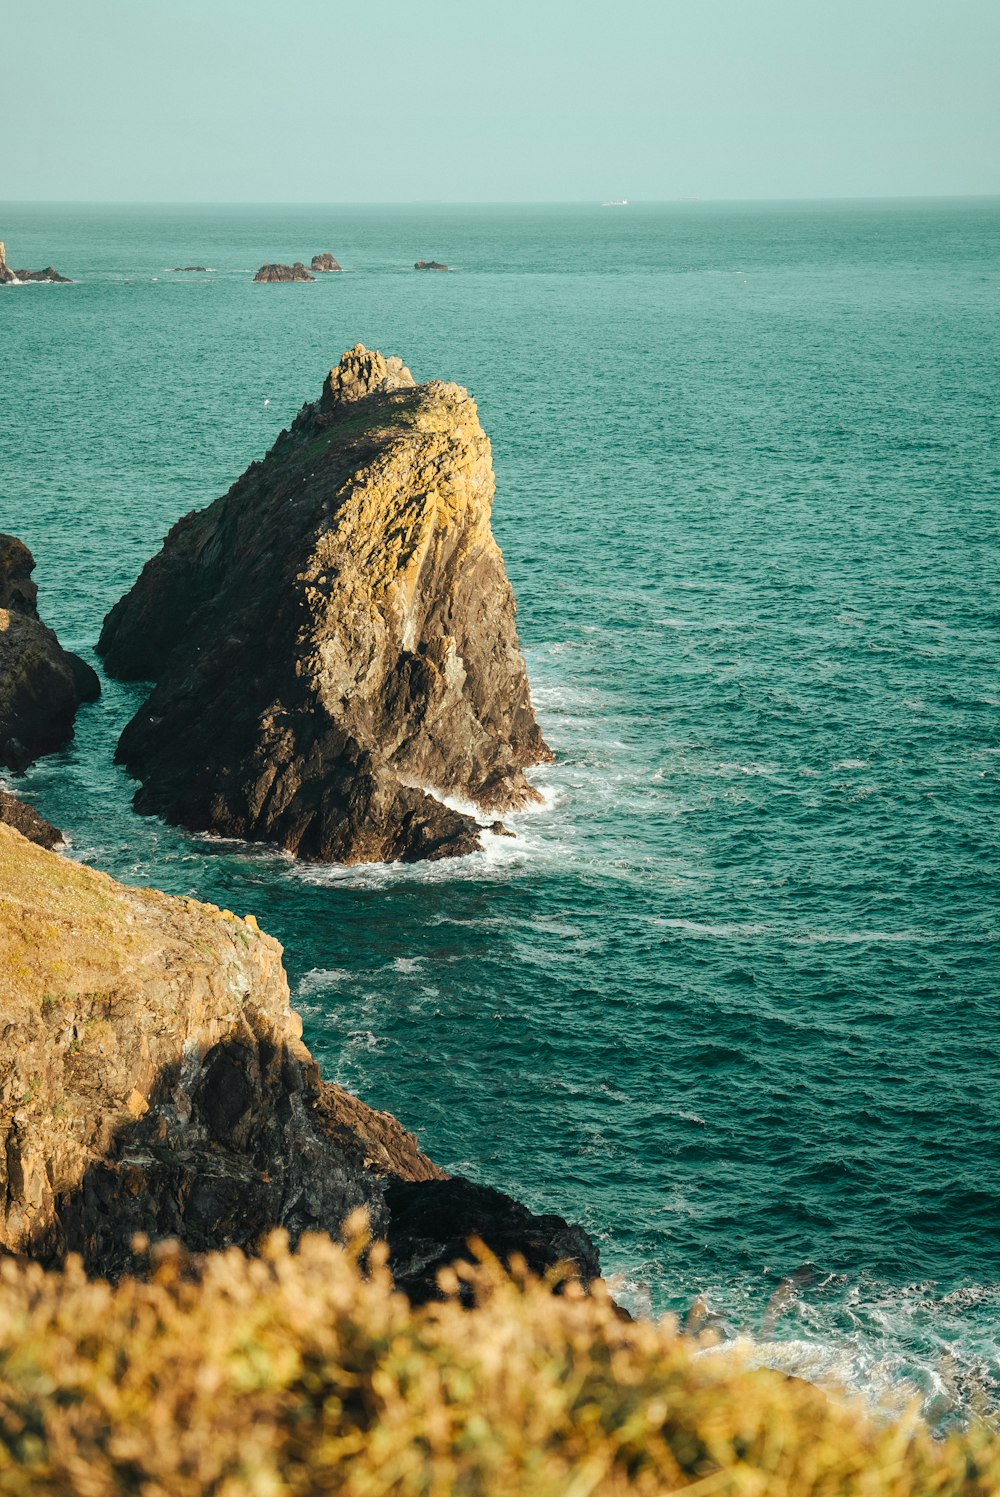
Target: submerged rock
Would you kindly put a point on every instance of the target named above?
(296, 272)
(333, 641)
(189, 270)
(41, 684)
(325, 262)
(429, 265)
(153, 1080)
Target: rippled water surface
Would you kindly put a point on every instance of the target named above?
(729, 999)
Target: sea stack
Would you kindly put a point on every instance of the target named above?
(41, 684)
(7, 276)
(333, 641)
(325, 263)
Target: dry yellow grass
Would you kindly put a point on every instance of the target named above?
(296, 1374)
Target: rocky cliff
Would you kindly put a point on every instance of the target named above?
(153, 1079)
(333, 641)
(6, 274)
(41, 684)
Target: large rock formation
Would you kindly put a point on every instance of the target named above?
(296, 272)
(41, 684)
(153, 1079)
(6, 274)
(325, 262)
(333, 641)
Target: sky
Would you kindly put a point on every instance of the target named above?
(498, 100)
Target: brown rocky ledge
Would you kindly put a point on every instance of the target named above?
(325, 263)
(333, 641)
(429, 265)
(41, 684)
(296, 272)
(153, 1080)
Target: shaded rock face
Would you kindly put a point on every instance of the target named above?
(431, 1222)
(26, 820)
(152, 1077)
(325, 262)
(429, 265)
(296, 272)
(333, 641)
(153, 1080)
(6, 274)
(41, 684)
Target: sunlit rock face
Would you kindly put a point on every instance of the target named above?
(333, 642)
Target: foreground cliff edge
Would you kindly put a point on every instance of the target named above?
(153, 1079)
(333, 641)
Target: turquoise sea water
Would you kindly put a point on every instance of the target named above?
(730, 998)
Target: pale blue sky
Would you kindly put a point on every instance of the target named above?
(453, 100)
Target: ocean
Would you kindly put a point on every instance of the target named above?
(729, 999)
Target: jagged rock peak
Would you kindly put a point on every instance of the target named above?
(333, 641)
(41, 684)
(363, 371)
(6, 274)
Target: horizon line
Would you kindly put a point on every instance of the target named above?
(673, 202)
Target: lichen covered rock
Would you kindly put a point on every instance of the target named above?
(41, 684)
(334, 641)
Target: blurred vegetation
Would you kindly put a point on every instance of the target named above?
(296, 1373)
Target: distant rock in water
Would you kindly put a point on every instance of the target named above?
(429, 265)
(26, 820)
(296, 272)
(9, 277)
(325, 262)
(191, 270)
(333, 641)
(41, 684)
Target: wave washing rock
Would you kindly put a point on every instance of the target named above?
(429, 265)
(333, 641)
(153, 1079)
(325, 262)
(41, 684)
(296, 272)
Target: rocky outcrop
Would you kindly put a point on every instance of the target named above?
(333, 641)
(432, 1221)
(189, 270)
(429, 265)
(41, 684)
(9, 277)
(153, 1080)
(296, 272)
(26, 820)
(325, 262)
